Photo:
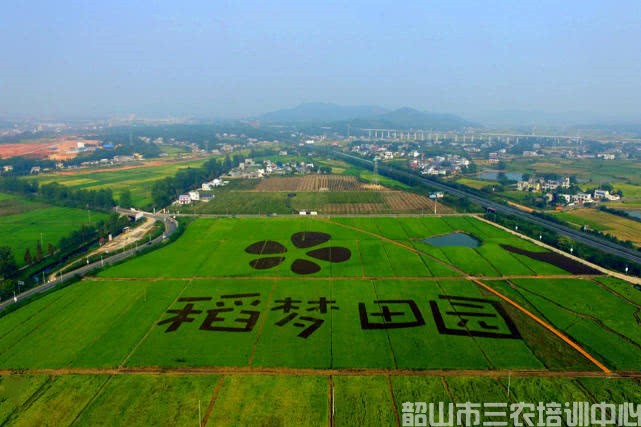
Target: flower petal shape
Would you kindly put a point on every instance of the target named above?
(331, 254)
(265, 247)
(307, 239)
(303, 266)
(265, 263)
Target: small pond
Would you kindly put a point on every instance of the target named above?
(493, 176)
(635, 214)
(454, 239)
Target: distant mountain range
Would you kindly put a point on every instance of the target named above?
(364, 116)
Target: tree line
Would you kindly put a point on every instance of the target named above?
(59, 194)
(67, 247)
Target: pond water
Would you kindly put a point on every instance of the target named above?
(493, 176)
(454, 239)
(636, 214)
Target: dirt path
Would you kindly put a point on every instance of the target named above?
(126, 238)
(154, 370)
(426, 278)
(119, 242)
(498, 294)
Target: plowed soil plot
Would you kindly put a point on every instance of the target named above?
(553, 258)
(311, 183)
(408, 202)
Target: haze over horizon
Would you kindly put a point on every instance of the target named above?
(90, 59)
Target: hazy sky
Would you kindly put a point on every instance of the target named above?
(231, 59)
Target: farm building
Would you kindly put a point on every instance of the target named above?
(184, 199)
(604, 194)
(194, 195)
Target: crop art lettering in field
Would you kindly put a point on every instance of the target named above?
(287, 306)
(217, 319)
(402, 314)
(474, 317)
(453, 315)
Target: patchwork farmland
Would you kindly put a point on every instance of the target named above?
(138, 179)
(340, 320)
(325, 194)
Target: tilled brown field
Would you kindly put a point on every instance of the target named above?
(354, 208)
(312, 183)
(394, 202)
(399, 201)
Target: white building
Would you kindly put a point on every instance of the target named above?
(582, 197)
(603, 194)
(194, 195)
(184, 199)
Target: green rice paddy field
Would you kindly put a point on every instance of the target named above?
(22, 221)
(138, 180)
(267, 321)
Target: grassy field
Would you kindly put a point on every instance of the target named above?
(230, 330)
(293, 400)
(593, 170)
(137, 180)
(205, 250)
(476, 183)
(628, 190)
(622, 228)
(22, 221)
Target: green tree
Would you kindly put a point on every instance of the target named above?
(28, 259)
(50, 249)
(39, 254)
(7, 261)
(125, 198)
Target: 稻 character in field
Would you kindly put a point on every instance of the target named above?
(184, 314)
(216, 321)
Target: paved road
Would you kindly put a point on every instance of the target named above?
(579, 236)
(170, 228)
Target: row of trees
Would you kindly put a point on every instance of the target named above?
(166, 190)
(39, 255)
(59, 194)
(22, 165)
(89, 233)
(85, 235)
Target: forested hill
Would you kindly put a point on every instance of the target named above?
(340, 117)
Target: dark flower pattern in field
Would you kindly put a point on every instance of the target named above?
(302, 240)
